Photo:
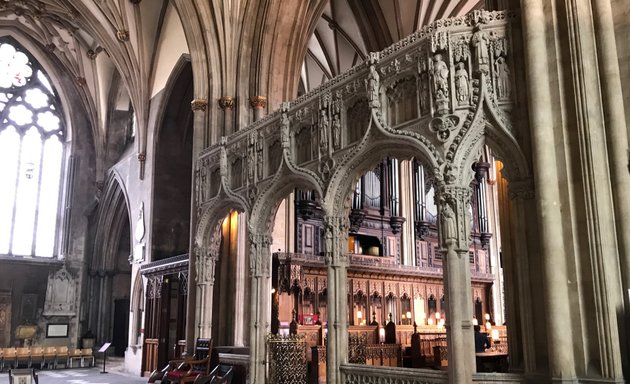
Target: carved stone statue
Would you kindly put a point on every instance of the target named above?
(440, 75)
(284, 130)
(336, 131)
(323, 131)
(502, 76)
(461, 83)
(449, 223)
(440, 84)
(481, 41)
(251, 157)
(372, 87)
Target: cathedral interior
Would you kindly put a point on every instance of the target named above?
(319, 191)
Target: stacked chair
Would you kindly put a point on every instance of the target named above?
(41, 357)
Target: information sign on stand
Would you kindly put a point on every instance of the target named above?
(103, 350)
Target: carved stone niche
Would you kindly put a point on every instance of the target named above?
(61, 294)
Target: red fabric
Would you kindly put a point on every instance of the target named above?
(177, 375)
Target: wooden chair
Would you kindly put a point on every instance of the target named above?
(23, 356)
(223, 375)
(50, 357)
(62, 356)
(9, 358)
(189, 370)
(74, 354)
(87, 354)
(37, 356)
(202, 351)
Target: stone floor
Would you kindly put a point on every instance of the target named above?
(81, 376)
(115, 375)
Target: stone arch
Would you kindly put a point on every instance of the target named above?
(346, 175)
(210, 219)
(113, 214)
(109, 282)
(266, 204)
(172, 179)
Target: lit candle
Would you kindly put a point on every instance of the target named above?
(408, 315)
(495, 335)
(475, 322)
(487, 316)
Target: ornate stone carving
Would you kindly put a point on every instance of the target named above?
(259, 256)
(199, 105)
(61, 294)
(502, 78)
(226, 103)
(335, 237)
(440, 84)
(93, 53)
(462, 84)
(443, 126)
(122, 35)
(372, 85)
(285, 128)
(481, 58)
(258, 102)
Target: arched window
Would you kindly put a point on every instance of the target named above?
(31, 155)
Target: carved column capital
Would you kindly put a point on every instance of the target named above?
(258, 102)
(199, 105)
(226, 103)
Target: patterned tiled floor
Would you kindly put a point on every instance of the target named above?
(81, 376)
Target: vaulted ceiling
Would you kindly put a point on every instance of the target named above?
(349, 29)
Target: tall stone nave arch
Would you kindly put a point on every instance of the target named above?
(440, 96)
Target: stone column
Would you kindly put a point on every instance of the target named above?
(226, 103)
(260, 304)
(336, 254)
(454, 230)
(542, 123)
(258, 103)
(205, 288)
(201, 140)
(617, 142)
(522, 247)
(199, 107)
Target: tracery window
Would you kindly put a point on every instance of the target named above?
(31, 155)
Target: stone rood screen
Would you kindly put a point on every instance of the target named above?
(441, 91)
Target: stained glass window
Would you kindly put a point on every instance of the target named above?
(31, 155)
